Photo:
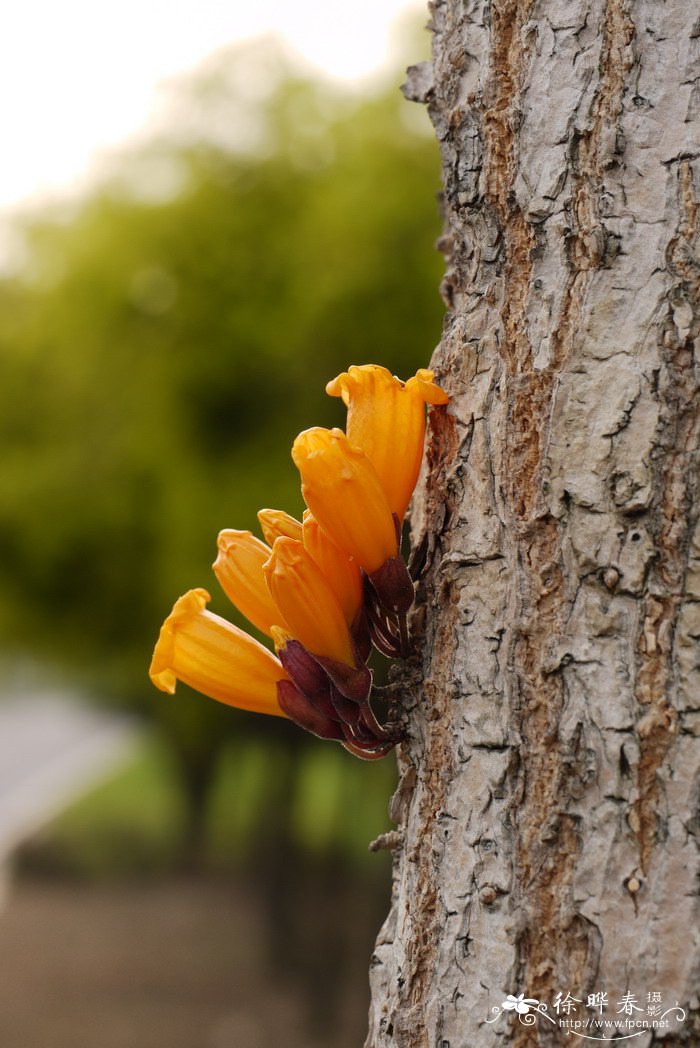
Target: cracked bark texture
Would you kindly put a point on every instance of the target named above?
(548, 807)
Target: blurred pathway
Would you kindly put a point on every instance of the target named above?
(51, 750)
(160, 964)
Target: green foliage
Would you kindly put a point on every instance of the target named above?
(134, 823)
(163, 342)
(130, 825)
(161, 354)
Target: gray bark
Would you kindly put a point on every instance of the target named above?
(547, 812)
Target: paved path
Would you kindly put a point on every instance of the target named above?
(51, 750)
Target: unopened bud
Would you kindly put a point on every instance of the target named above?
(348, 711)
(393, 586)
(361, 635)
(354, 682)
(303, 668)
(299, 709)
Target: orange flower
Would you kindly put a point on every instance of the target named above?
(238, 568)
(307, 602)
(386, 419)
(315, 617)
(215, 658)
(275, 522)
(341, 571)
(344, 493)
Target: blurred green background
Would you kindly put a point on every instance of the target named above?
(163, 340)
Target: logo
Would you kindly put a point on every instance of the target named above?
(598, 1019)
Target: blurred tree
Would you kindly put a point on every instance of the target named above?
(166, 337)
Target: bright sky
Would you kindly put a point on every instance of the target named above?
(79, 76)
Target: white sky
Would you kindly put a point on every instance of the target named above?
(79, 76)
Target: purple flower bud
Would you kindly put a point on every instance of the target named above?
(299, 709)
(393, 586)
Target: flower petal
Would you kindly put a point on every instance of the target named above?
(345, 495)
(306, 601)
(386, 419)
(238, 568)
(275, 522)
(340, 570)
(215, 658)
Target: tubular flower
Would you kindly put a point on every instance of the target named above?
(386, 419)
(326, 589)
(238, 568)
(275, 522)
(341, 570)
(343, 491)
(216, 658)
(314, 615)
(307, 602)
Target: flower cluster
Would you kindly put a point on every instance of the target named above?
(324, 589)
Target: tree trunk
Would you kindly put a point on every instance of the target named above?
(547, 811)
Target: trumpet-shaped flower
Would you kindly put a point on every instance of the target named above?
(341, 570)
(314, 615)
(275, 522)
(386, 419)
(344, 493)
(238, 568)
(215, 658)
(307, 602)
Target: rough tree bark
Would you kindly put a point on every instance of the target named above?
(547, 811)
